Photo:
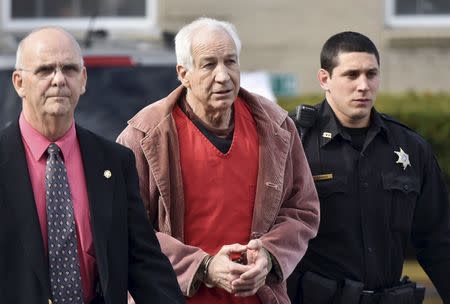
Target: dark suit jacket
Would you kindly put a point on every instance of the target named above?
(127, 252)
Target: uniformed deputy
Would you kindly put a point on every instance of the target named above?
(379, 187)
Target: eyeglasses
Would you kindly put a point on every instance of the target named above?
(46, 72)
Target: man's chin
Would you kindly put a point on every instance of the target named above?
(223, 103)
(59, 111)
(360, 115)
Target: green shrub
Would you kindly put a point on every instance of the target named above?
(428, 114)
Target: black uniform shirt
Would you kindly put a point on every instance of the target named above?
(372, 204)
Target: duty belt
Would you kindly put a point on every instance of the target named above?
(316, 289)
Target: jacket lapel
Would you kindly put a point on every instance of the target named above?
(274, 143)
(167, 174)
(18, 195)
(272, 162)
(100, 193)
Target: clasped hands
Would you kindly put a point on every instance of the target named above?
(242, 280)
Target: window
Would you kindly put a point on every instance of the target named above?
(114, 15)
(418, 13)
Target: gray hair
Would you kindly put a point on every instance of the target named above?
(18, 64)
(183, 39)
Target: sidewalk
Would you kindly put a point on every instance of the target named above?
(413, 270)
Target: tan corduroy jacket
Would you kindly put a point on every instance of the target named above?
(286, 210)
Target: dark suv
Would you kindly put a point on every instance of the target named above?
(121, 81)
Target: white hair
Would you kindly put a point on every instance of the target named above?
(18, 64)
(183, 39)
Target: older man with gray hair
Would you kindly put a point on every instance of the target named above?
(223, 176)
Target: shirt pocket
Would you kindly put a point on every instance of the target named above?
(402, 192)
(333, 196)
(332, 187)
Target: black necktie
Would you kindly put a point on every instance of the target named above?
(65, 277)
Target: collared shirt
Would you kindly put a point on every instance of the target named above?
(373, 202)
(35, 150)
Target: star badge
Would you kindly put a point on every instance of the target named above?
(403, 158)
(107, 174)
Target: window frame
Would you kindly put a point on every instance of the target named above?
(413, 21)
(146, 24)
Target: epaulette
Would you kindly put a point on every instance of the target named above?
(292, 115)
(393, 120)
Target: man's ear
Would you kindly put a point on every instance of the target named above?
(84, 80)
(323, 76)
(183, 75)
(17, 81)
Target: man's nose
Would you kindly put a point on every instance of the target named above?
(222, 73)
(58, 77)
(363, 83)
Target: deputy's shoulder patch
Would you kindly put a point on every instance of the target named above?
(393, 120)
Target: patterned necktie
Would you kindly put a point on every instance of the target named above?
(65, 278)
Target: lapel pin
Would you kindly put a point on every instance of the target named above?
(107, 174)
(403, 158)
(326, 134)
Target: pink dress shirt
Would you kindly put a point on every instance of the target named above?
(35, 151)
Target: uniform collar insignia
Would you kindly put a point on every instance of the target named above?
(327, 135)
(403, 158)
